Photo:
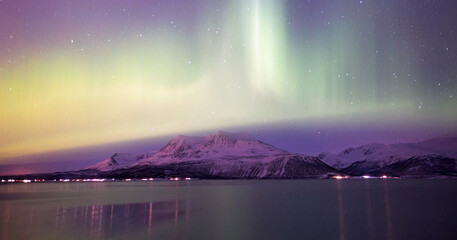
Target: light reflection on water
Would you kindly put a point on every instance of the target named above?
(369, 201)
(296, 209)
(342, 230)
(94, 221)
(369, 212)
(388, 211)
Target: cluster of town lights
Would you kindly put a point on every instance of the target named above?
(152, 179)
(86, 180)
(364, 177)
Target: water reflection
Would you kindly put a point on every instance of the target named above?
(369, 211)
(6, 220)
(342, 229)
(388, 211)
(375, 218)
(92, 221)
(308, 209)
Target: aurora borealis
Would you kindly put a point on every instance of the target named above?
(83, 73)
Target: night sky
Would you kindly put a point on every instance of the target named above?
(307, 76)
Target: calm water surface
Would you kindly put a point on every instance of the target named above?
(232, 209)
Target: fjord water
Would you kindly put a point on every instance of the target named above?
(231, 209)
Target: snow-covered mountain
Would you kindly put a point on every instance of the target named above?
(373, 157)
(276, 166)
(120, 160)
(223, 155)
(222, 145)
(229, 155)
(422, 166)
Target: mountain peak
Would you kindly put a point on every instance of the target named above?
(236, 136)
(189, 140)
(219, 146)
(222, 155)
(117, 160)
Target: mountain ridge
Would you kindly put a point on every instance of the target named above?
(373, 158)
(239, 155)
(222, 155)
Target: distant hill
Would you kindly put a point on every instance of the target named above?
(434, 157)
